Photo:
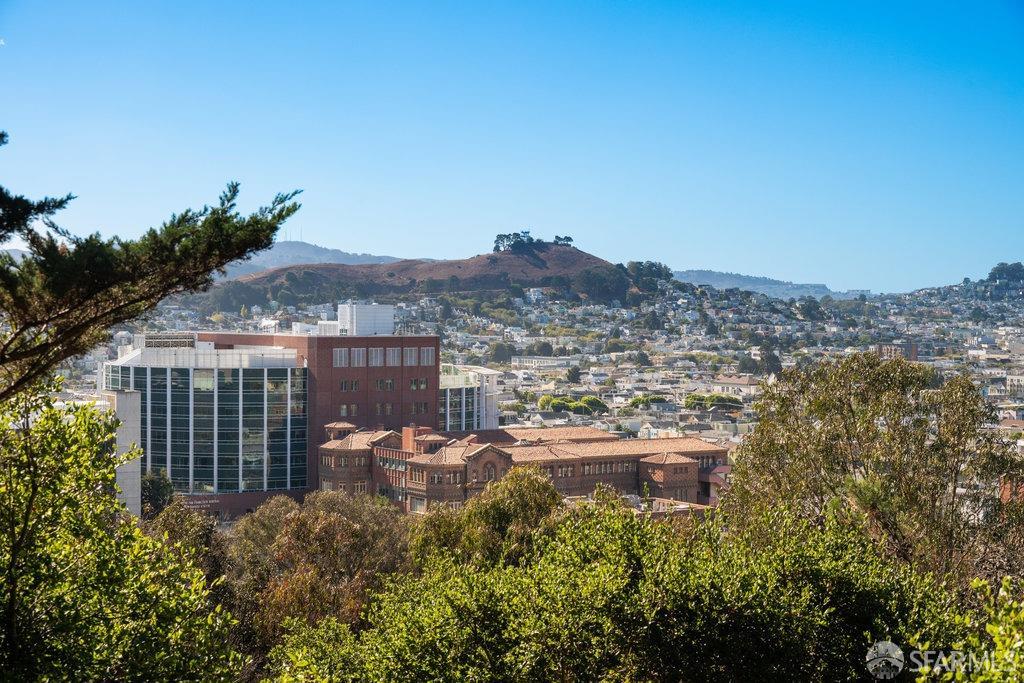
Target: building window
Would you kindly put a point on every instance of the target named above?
(357, 357)
(385, 385)
(344, 410)
(350, 385)
(489, 473)
(394, 357)
(359, 487)
(423, 383)
(325, 485)
(427, 355)
(376, 357)
(341, 358)
(436, 478)
(410, 357)
(387, 408)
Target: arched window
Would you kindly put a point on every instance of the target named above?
(489, 473)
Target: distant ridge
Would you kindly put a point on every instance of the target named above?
(779, 289)
(293, 253)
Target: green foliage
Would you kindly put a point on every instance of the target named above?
(1007, 272)
(496, 527)
(616, 345)
(573, 375)
(708, 401)
(594, 404)
(310, 561)
(602, 284)
(645, 400)
(873, 437)
(86, 594)
(157, 493)
(60, 300)
(325, 652)
(992, 649)
(500, 352)
(606, 595)
(645, 275)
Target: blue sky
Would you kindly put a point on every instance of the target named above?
(862, 144)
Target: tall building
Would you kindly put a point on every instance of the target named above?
(468, 399)
(236, 418)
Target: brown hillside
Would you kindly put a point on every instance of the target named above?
(484, 271)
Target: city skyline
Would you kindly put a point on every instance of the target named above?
(854, 147)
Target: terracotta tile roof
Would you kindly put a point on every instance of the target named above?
(432, 437)
(510, 435)
(357, 441)
(340, 425)
(668, 459)
(612, 449)
(448, 455)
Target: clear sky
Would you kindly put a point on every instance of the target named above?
(859, 144)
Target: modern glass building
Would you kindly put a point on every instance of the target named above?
(467, 398)
(219, 421)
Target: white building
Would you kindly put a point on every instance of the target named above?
(357, 320)
(468, 398)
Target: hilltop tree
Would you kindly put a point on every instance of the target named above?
(62, 297)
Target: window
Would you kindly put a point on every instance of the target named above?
(385, 385)
(489, 473)
(350, 385)
(357, 358)
(353, 409)
(376, 358)
(341, 358)
(423, 383)
(427, 355)
(394, 357)
(343, 412)
(586, 469)
(387, 408)
(384, 408)
(436, 478)
(410, 357)
(359, 487)
(325, 485)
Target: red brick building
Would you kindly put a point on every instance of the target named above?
(418, 466)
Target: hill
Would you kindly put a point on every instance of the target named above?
(779, 289)
(293, 253)
(542, 264)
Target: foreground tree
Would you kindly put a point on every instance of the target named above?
(62, 297)
(310, 561)
(498, 526)
(85, 594)
(870, 436)
(608, 595)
